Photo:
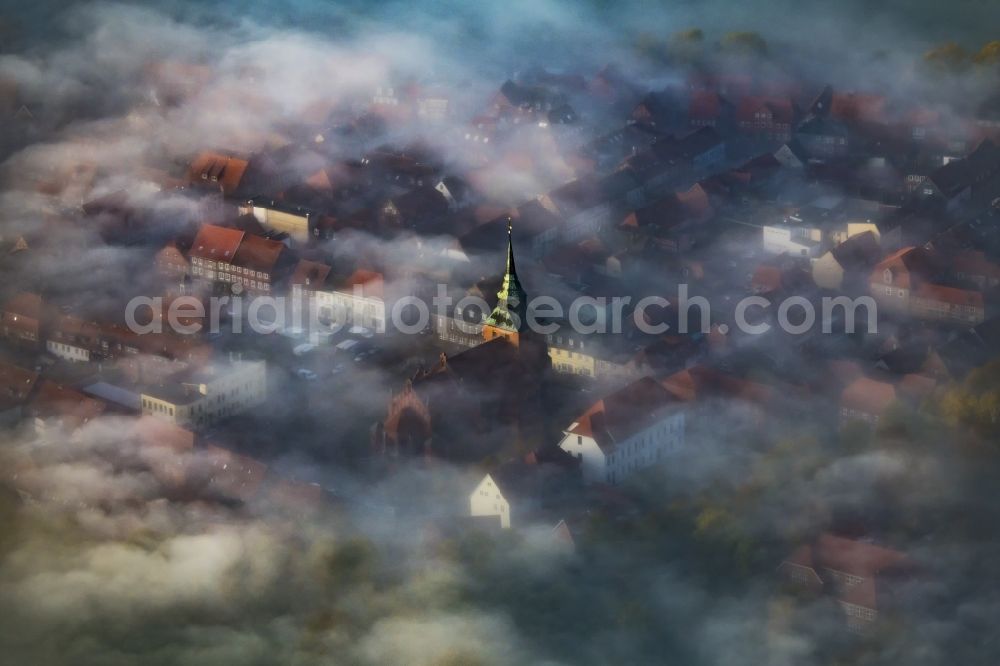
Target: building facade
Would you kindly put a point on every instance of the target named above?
(634, 428)
(207, 395)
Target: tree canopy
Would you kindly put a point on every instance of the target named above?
(744, 42)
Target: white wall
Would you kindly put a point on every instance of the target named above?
(487, 500)
(68, 352)
(586, 450)
(796, 242)
(236, 389)
(354, 309)
(657, 443)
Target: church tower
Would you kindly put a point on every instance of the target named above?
(509, 318)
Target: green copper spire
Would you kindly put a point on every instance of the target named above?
(510, 249)
(512, 303)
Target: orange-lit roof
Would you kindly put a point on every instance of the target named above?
(216, 243)
(214, 168)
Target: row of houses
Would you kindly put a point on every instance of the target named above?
(906, 282)
(832, 123)
(30, 324)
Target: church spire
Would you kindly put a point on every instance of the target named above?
(510, 313)
(510, 248)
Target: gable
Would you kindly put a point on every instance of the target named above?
(573, 443)
(488, 486)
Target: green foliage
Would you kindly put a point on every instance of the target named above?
(989, 54)
(975, 403)
(8, 517)
(652, 48)
(689, 36)
(351, 562)
(948, 56)
(855, 437)
(744, 43)
(897, 422)
(684, 45)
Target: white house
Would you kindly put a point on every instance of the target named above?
(488, 500)
(633, 428)
(520, 492)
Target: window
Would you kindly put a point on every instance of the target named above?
(579, 440)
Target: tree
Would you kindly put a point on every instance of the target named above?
(689, 36)
(989, 54)
(686, 44)
(975, 403)
(651, 47)
(947, 56)
(744, 43)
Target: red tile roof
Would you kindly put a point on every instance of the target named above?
(781, 109)
(369, 282)
(297, 494)
(233, 474)
(171, 256)
(216, 168)
(973, 263)
(849, 556)
(692, 205)
(153, 431)
(859, 107)
(699, 382)
(705, 105)
(25, 304)
(838, 556)
(216, 243)
(258, 253)
(922, 117)
(16, 385)
(311, 274)
(766, 279)
(868, 396)
(844, 371)
(625, 412)
(904, 265)
(55, 400)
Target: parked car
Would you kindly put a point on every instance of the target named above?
(307, 374)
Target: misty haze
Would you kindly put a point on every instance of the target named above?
(488, 334)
